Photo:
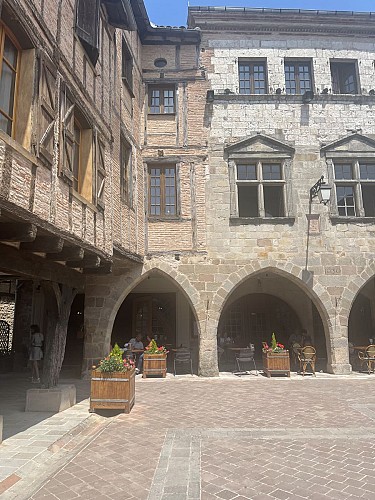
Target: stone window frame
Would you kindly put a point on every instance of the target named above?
(163, 216)
(285, 182)
(354, 160)
(295, 62)
(253, 62)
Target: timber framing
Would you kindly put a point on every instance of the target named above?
(33, 266)
(17, 232)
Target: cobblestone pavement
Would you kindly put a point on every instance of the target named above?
(248, 438)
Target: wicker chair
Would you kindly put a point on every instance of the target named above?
(368, 357)
(307, 356)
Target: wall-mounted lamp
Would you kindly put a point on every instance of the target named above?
(321, 190)
(308, 96)
(210, 96)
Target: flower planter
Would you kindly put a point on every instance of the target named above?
(154, 364)
(112, 391)
(276, 363)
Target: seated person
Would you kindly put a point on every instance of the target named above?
(136, 342)
(140, 359)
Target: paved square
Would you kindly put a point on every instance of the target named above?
(254, 438)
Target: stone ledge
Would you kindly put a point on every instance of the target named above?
(57, 399)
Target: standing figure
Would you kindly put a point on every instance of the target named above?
(36, 353)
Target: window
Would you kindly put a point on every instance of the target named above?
(127, 65)
(126, 171)
(252, 77)
(87, 27)
(260, 189)
(9, 57)
(162, 191)
(344, 78)
(161, 100)
(297, 77)
(77, 147)
(355, 188)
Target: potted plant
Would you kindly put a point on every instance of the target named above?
(275, 358)
(155, 360)
(113, 383)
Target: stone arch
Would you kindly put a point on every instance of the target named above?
(317, 294)
(350, 293)
(111, 291)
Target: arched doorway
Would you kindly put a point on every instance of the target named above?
(267, 303)
(157, 307)
(361, 324)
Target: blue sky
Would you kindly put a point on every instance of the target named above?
(174, 12)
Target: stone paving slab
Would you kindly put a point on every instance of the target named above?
(228, 438)
(193, 438)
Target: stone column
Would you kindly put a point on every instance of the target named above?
(208, 364)
(338, 363)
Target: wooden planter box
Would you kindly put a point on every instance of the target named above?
(276, 363)
(112, 391)
(154, 364)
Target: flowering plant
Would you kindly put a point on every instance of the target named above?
(275, 346)
(153, 348)
(114, 362)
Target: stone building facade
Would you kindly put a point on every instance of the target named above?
(192, 216)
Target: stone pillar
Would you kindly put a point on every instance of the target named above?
(338, 355)
(208, 363)
(98, 327)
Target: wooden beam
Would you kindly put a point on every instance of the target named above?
(88, 261)
(67, 254)
(44, 244)
(104, 268)
(17, 231)
(33, 266)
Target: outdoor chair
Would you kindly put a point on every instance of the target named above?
(245, 355)
(307, 356)
(296, 349)
(182, 356)
(368, 357)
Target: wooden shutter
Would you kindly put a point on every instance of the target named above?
(100, 172)
(48, 109)
(67, 134)
(87, 26)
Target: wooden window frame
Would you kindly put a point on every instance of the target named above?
(356, 182)
(127, 63)
(252, 63)
(161, 89)
(162, 205)
(335, 68)
(89, 40)
(5, 31)
(295, 63)
(260, 183)
(126, 171)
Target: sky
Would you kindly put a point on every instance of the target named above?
(174, 12)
